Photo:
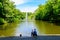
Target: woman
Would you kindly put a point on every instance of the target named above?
(34, 33)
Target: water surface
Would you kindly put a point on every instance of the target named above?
(26, 27)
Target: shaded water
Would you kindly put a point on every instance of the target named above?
(26, 27)
(47, 28)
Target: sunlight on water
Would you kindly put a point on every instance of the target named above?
(26, 16)
(25, 28)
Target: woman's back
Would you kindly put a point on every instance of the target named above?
(34, 33)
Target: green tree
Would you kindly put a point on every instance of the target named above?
(50, 11)
(8, 11)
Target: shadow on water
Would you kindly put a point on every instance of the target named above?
(47, 28)
(25, 28)
(8, 29)
(58, 24)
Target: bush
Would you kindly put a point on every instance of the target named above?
(2, 21)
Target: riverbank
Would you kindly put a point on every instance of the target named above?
(31, 38)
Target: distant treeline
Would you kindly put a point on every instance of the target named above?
(50, 11)
(9, 13)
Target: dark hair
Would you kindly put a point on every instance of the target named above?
(20, 35)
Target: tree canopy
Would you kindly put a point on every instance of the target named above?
(50, 11)
(8, 12)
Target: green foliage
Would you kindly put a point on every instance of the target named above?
(30, 15)
(2, 21)
(9, 13)
(40, 13)
(50, 11)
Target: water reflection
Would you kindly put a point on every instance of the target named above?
(47, 28)
(8, 29)
(26, 27)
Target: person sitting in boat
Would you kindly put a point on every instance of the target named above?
(34, 33)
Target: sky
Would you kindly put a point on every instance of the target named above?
(28, 5)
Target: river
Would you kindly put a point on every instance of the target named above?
(25, 28)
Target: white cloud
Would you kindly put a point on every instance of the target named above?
(18, 2)
(28, 9)
(24, 9)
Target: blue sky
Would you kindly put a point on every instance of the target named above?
(28, 5)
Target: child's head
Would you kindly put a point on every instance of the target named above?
(20, 35)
